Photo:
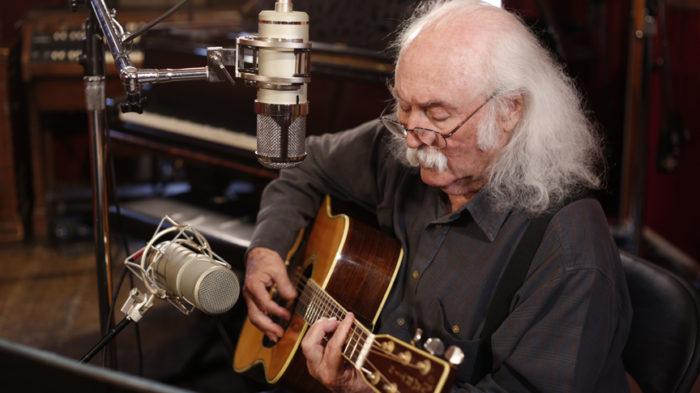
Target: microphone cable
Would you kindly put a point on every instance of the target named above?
(154, 22)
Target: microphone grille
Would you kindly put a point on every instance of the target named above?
(217, 291)
(273, 132)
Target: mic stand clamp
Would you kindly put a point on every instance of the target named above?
(134, 308)
(137, 304)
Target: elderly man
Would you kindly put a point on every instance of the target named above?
(486, 135)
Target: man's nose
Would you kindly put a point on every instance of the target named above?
(413, 141)
(416, 139)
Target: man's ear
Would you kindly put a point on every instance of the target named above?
(512, 113)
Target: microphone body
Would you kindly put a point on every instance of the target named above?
(205, 284)
(281, 107)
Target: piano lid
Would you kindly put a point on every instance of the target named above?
(328, 56)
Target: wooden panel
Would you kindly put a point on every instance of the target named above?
(695, 4)
(11, 227)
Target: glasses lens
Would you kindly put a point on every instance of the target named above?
(429, 137)
(393, 125)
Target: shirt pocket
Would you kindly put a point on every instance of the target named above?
(450, 330)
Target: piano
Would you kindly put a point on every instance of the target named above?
(210, 127)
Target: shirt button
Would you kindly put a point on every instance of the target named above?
(455, 329)
(400, 321)
(415, 274)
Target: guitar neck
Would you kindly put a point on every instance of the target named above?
(315, 303)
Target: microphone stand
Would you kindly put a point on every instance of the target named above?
(102, 25)
(94, 81)
(106, 339)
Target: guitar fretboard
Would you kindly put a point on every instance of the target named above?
(315, 303)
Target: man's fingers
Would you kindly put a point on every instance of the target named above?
(261, 296)
(324, 359)
(313, 346)
(284, 285)
(335, 345)
(263, 322)
(320, 329)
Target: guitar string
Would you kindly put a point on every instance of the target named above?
(375, 347)
(382, 377)
(328, 307)
(393, 357)
(376, 369)
(322, 304)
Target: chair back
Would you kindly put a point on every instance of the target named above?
(662, 353)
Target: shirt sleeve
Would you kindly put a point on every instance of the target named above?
(347, 165)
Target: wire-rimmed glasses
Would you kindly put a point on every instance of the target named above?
(392, 123)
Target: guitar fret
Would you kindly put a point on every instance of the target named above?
(358, 345)
(323, 306)
(314, 303)
(350, 347)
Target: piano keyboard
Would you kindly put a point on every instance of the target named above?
(209, 133)
(215, 226)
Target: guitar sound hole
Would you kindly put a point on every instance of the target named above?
(302, 273)
(289, 305)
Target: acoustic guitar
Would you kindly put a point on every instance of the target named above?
(342, 264)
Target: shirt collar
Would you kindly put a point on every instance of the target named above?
(483, 212)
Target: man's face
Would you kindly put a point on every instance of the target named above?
(435, 90)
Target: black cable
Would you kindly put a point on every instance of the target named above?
(154, 22)
(106, 339)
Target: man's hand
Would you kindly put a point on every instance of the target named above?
(265, 268)
(325, 361)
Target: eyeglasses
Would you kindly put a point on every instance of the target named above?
(392, 123)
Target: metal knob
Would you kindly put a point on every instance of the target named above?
(417, 336)
(434, 346)
(454, 355)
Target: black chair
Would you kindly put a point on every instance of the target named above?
(662, 353)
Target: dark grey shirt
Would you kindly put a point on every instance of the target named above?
(568, 323)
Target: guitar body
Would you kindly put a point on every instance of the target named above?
(354, 263)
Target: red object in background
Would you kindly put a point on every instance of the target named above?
(673, 200)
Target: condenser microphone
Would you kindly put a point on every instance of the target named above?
(183, 270)
(195, 277)
(281, 103)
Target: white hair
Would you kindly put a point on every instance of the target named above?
(427, 156)
(555, 150)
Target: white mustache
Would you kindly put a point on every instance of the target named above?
(427, 157)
